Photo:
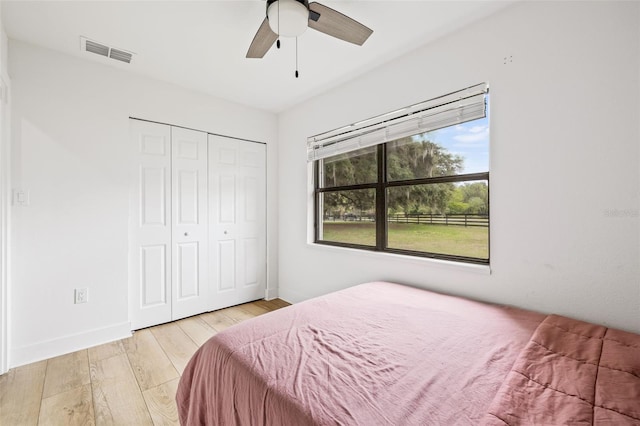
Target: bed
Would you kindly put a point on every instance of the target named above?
(386, 354)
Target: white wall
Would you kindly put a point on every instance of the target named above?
(71, 151)
(564, 162)
(5, 115)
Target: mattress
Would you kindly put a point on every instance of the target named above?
(373, 354)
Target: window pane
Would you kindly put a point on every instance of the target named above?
(352, 168)
(444, 218)
(348, 217)
(453, 150)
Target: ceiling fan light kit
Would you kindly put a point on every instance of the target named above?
(287, 18)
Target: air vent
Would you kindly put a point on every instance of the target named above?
(87, 45)
(120, 55)
(97, 48)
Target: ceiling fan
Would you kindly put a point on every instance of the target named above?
(290, 18)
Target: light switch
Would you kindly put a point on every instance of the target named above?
(3, 92)
(20, 197)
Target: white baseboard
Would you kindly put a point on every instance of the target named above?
(272, 293)
(67, 344)
(290, 296)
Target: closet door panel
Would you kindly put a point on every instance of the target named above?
(251, 254)
(226, 266)
(251, 219)
(187, 194)
(190, 290)
(226, 199)
(153, 190)
(187, 264)
(150, 225)
(238, 226)
(153, 278)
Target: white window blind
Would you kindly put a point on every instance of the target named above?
(455, 108)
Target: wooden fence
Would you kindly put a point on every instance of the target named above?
(446, 219)
(426, 219)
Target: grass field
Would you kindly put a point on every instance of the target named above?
(453, 240)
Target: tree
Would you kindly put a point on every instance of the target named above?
(470, 198)
(477, 195)
(414, 158)
(407, 159)
(349, 169)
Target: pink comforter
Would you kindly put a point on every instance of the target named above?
(572, 373)
(374, 354)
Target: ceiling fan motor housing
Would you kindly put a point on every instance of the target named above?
(288, 18)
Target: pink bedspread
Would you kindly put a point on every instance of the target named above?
(374, 354)
(572, 373)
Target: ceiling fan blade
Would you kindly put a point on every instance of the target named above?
(262, 41)
(336, 24)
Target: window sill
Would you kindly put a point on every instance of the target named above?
(424, 261)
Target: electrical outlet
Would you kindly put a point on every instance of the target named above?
(82, 295)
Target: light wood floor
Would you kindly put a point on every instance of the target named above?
(129, 382)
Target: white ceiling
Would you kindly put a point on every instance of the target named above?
(201, 45)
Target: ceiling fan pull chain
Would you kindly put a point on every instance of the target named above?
(297, 57)
(278, 42)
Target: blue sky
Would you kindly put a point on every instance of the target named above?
(469, 140)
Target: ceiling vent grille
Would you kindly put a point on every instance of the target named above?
(120, 55)
(91, 46)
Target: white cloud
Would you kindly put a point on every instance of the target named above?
(474, 134)
(478, 129)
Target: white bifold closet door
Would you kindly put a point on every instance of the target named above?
(168, 232)
(190, 289)
(237, 218)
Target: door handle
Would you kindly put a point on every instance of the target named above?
(186, 234)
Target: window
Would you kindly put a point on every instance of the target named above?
(415, 181)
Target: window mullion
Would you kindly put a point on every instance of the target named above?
(381, 200)
(348, 187)
(316, 201)
(441, 179)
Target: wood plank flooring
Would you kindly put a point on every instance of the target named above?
(129, 382)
